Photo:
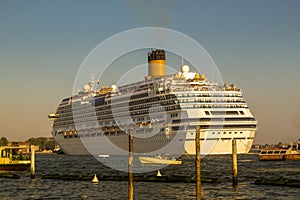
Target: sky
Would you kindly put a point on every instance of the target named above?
(255, 45)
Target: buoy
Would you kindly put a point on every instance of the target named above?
(158, 173)
(95, 179)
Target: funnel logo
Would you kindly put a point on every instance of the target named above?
(162, 106)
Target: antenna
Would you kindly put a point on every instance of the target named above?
(98, 84)
(92, 78)
(92, 81)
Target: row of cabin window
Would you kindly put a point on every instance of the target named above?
(224, 112)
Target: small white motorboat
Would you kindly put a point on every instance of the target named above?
(103, 156)
(159, 160)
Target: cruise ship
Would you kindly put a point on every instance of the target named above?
(161, 110)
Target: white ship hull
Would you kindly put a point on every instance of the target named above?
(219, 146)
(222, 146)
(118, 145)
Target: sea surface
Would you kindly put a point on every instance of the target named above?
(249, 170)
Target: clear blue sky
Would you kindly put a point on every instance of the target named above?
(255, 44)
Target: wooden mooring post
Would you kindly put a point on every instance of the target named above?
(32, 162)
(234, 164)
(130, 164)
(198, 162)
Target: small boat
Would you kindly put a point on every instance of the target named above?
(103, 156)
(159, 160)
(290, 153)
(58, 150)
(14, 158)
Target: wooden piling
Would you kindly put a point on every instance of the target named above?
(234, 164)
(130, 164)
(198, 176)
(32, 163)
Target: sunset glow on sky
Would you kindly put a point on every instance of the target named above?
(255, 44)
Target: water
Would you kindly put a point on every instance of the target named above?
(249, 170)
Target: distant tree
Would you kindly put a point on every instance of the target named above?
(3, 141)
(50, 145)
(15, 144)
(43, 143)
(34, 141)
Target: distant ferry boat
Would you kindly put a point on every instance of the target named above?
(175, 103)
(292, 152)
(14, 158)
